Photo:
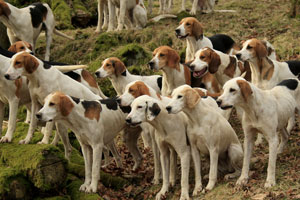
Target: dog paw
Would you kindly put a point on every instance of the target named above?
(184, 196)
(241, 181)
(83, 187)
(197, 190)
(5, 139)
(92, 188)
(43, 142)
(160, 195)
(155, 181)
(269, 184)
(209, 186)
(193, 12)
(25, 141)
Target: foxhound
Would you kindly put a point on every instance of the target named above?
(95, 124)
(265, 111)
(192, 30)
(169, 135)
(27, 23)
(175, 74)
(209, 134)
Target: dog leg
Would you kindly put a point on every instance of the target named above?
(113, 149)
(273, 144)
(100, 15)
(169, 8)
(105, 13)
(197, 166)
(130, 137)
(96, 163)
(183, 2)
(63, 133)
(47, 134)
(1, 116)
(173, 166)
(112, 15)
(259, 139)
(161, 6)
(213, 169)
(194, 7)
(12, 120)
(28, 114)
(150, 6)
(235, 154)
(165, 164)
(56, 139)
(157, 165)
(11, 36)
(291, 124)
(248, 147)
(185, 168)
(122, 15)
(49, 33)
(283, 141)
(87, 156)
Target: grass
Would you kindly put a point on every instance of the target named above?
(267, 19)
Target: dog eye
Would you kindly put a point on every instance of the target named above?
(179, 96)
(139, 107)
(130, 90)
(22, 47)
(202, 57)
(51, 104)
(188, 24)
(249, 47)
(232, 90)
(17, 63)
(162, 55)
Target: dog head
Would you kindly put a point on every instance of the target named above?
(206, 60)
(235, 92)
(189, 27)
(252, 49)
(164, 56)
(144, 108)
(111, 67)
(132, 91)
(57, 106)
(183, 97)
(22, 63)
(20, 46)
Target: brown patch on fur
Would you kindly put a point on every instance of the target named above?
(193, 27)
(89, 78)
(158, 95)
(191, 97)
(247, 69)
(245, 89)
(92, 110)
(187, 75)
(65, 105)
(4, 9)
(211, 58)
(114, 66)
(230, 69)
(200, 92)
(18, 84)
(209, 78)
(167, 57)
(20, 46)
(267, 69)
(27, 61)
(138, 89)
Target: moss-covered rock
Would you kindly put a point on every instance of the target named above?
(62, 13)
(80, 16)
(133, 54)
(183, 14)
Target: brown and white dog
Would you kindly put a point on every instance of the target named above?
(265, 111)
(192, 30)
(175, 74)
(27, 23)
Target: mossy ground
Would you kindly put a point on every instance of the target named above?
(262, 19)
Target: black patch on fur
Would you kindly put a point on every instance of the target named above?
(294, 66)
(197, 82)
(6, 53)
(73, 75)
(292, 84)
(124, 73)
(54, 63)
(125, 109)
(37, 14)
(159, 82)
(76, 100)
(111, 104)
(222, 42)
(47, 66)
(90, 104)
(155, 109)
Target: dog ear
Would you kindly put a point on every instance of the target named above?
(13, 48)
(197, 30)
(28, 45)
(119, 67)
(4, 9)
(245, 89)
(153, 111)
(65, 105)
(214, 63)
(192, 97)
(173, 59)
(30, 63)
(261, 50)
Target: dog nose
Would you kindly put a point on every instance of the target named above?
(192, 67)
(238, 55)
(219, 102)
(128, 120)
(7, 76)
(118, 100)
(177, 31)
(38, 116)
(97, 74)
(151, 64)
(169, 108)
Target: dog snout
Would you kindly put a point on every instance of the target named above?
(219, 102)
(7, 76)
(169, 109)
(97, 74)
(38, 116)
(128, 120)
(238, 55)
(151, 65)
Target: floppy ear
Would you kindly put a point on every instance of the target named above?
(245, 89)
(30, 63)
(173, 59)
(214, 63)
(29, 46)
(261, 50)
(192, 98)
(13, 48)
(65, 105)
(4, 9)
(119, 67)
(197, 30)
(152, 112)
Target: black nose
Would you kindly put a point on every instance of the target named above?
(192, 67)
(169, 108)
(7, 76)
(219, 102)
(118, 100)
(128, 120)
(177, 31)
(238, 55)
(98, 74)
(151, 64)
(38, 116)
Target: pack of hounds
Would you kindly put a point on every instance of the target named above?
(183, 113)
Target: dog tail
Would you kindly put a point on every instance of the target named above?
(57, 32)
(67, 68)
